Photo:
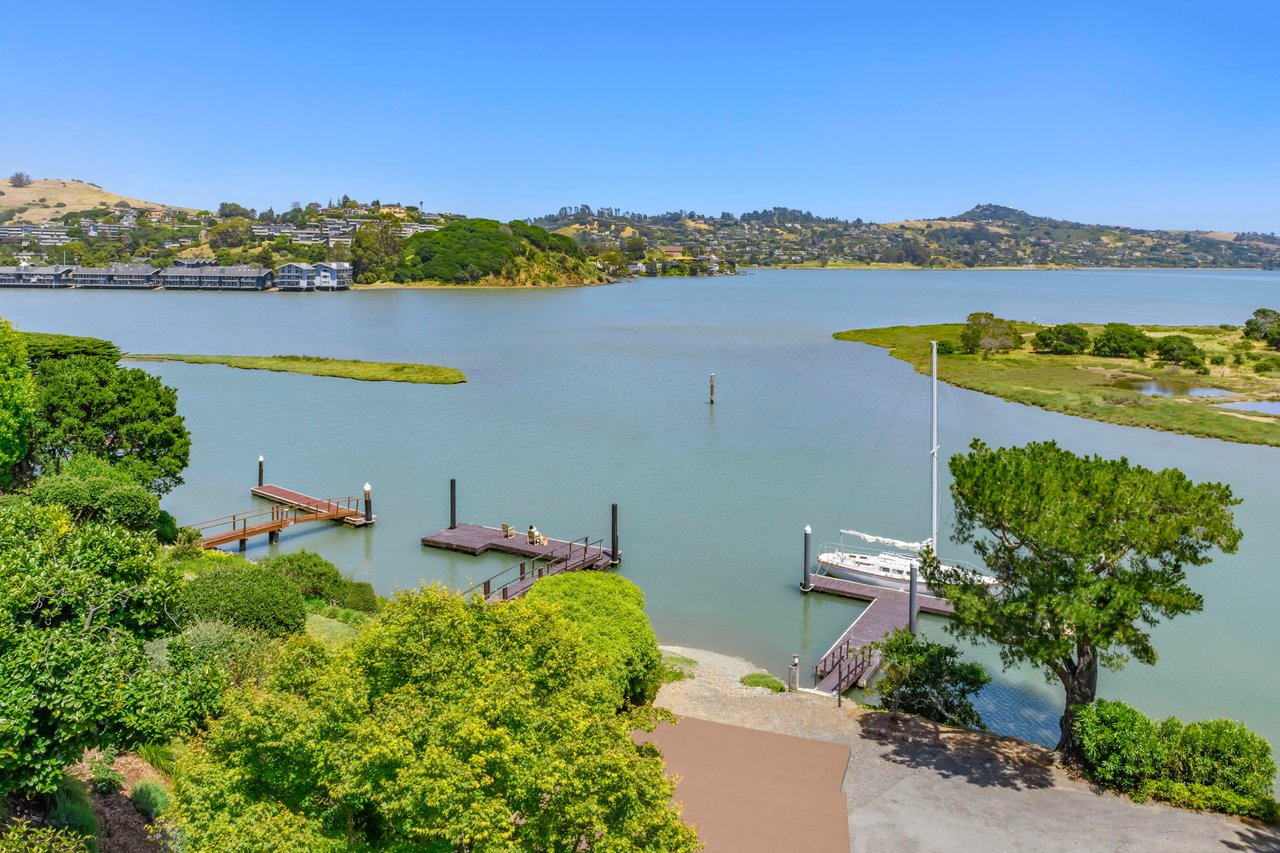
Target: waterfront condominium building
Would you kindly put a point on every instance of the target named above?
(327, 275)
(125, 276)
(216, 278)
(27, 275)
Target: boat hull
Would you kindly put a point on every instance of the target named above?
(842, 569)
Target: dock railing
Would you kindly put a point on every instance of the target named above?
(847, 661)
(278, 514)
(516, 578)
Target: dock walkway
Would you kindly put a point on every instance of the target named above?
(850, 661)
(289, 508)
(555, 557)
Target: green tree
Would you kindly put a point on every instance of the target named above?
(18, 180)
(634, 247)
(929, 679)
(1178, 349)
(1088, 554)
(374, 250)
(444, 726)
(1260, 326)
(42, 346)
(77, 602)
(1120, 340)
(230, 234)
(17, 401)
(123, 415)
(986, 333)
(1067, 339)
(231, 210)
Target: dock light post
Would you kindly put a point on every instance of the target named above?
(614, 554)
(453, 504)
(806, 584)
(713, 389)
(260, 461)
(368, 502)
(793, 674)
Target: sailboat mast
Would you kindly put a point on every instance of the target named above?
(933, 451)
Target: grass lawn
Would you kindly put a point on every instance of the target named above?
(369, 371)
(676, 668)
(765, 680)
(328, 630)
(1089, 387)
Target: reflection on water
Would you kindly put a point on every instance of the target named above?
(1267, 407)
(1168, 388)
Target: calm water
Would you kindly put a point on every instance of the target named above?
(1267, 407)
(579, 398)
(1166, 388)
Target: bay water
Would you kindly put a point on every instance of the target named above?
(581, 398)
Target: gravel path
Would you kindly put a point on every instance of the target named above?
(915, 786)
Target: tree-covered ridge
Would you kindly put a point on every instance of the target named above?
(988, 235)
(472, 251)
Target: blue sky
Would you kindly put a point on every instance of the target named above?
(1150, 114)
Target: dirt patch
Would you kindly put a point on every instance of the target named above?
(121, 827)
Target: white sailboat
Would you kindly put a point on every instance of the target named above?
(898, 567)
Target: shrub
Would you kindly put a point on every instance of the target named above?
(19, 836)
(241, 653)
(946, 348)
(1189, 795)
(609, 610)
(162, 756)
(765, 680)
(1121, 747)
(360, 596)
(73, 810)
(103, 775)
(929, 679)
(676, 668)
(1224, 754)
(1218, 359)
(95, 491)
(166, 528)
(313, 574)
(248, 597)
(1121, 340)
(150, 799)
(1067, 339)
(187, 544)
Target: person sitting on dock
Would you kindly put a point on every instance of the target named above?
(534, 536)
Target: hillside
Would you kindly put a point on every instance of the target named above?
(50, 198)
(484, 252)
(988, 235)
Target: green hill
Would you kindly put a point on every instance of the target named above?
(487, 252)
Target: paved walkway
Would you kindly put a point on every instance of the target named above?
(914, 786)
(750, 791)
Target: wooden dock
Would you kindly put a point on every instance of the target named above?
(556, 557)
(850, 661)
(289, 508)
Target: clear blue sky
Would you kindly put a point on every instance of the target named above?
(1150, 114)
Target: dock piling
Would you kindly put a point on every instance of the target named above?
(453, 504)
(806, 584)
(368, 502)
(713, 389)
(260, 481)
(793, 675)
(614, 554)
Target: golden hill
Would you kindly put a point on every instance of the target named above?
(43, 197)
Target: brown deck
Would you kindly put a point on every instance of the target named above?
(291, 508)
(748, 791)
(556, 557)
(849, 662)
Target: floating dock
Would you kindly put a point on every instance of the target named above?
(555, 557)
(851, 661)
(290, 508)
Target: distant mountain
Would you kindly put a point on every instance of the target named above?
(987, 235)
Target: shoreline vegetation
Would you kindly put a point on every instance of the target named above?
(364, 371)
(1094, 387)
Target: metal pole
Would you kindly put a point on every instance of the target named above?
(368, 502)
(260, 460)
(713, 389)
(453, 504)
(614, 554)
(793, 674)
(806, 584)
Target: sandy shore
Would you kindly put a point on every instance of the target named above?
(912, 785)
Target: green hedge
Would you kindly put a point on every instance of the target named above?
(1217, 765)
(92, 490)
(246, 596)
(609, 610)
(313, 574)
